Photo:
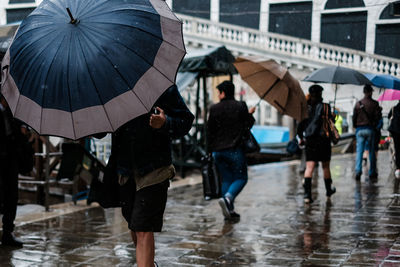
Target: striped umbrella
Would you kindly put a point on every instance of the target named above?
(77, 68)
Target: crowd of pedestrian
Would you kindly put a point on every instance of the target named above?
(141, 155)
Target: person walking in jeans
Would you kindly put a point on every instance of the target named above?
(366, 115)
(228, 121)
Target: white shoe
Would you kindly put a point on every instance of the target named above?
(397, 174)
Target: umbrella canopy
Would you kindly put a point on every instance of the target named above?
(390, 95)
(384, 81)
(337, 75)
(92, 70)
(273, 83)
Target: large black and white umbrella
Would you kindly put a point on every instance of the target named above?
(79, 67)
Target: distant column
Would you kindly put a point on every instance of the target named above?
(372, 19)
(264, 16)
(214, 10)
(3, 12)
(318, 6)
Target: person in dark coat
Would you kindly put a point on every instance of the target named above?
(366, 115)
(141, 151)
(394, 129)
(313, 134)
(228, 122)
(9, 137)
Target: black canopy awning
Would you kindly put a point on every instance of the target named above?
(209, 62)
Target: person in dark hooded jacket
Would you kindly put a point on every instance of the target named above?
(141, 151)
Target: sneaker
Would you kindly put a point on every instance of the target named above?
(373, 176)
(358, 176)
(397, 174)
(235, 215)
(224, 207)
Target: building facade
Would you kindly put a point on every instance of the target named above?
(372, 26)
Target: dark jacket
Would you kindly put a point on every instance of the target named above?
(136, 145)
(312, 126)
(394, 117)
(8, 142)
(366, 113)
(227, 123)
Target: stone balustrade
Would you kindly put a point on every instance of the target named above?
(250, 41)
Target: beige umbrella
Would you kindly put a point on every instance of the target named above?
(273, 83)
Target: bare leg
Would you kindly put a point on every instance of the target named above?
(327, 170)
(134, 239)
(145, 249)
(310, 166)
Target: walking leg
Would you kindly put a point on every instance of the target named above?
(145, 249)
(330, 190)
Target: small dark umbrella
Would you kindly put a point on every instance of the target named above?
(337, 75)
(79, 67)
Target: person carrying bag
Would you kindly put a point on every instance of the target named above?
(228, 124)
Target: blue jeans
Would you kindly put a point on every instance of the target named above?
(365, 138)
(232, 166)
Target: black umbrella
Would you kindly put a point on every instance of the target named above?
(337, 75)
(79, 67)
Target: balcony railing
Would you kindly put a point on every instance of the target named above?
(295, 48)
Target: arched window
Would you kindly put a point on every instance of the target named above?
(387, 36)
(333, 4)
(391, 11)
(198, 8)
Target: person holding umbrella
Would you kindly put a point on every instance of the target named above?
(141, 149)
(366, 115)
(313, 135)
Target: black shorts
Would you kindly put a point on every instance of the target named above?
(318, 149)
(144, 209)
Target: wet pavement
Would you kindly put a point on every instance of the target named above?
(360, 226)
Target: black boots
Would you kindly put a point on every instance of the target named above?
(8, 239)
(330, 190)
(307, 190)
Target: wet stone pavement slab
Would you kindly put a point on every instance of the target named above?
(360, 226)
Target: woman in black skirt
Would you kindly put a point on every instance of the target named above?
(314, 135)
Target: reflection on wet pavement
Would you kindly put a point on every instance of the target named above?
(360, 226)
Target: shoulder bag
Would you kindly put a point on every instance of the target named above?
(329, 127)
(249, 143)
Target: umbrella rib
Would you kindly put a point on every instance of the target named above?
(69, 93)
(269, 89)
(96, 89)
(44, 87)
